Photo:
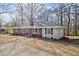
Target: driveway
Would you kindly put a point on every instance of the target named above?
(17, 49)
(31, 46)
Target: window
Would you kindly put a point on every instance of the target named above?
(33, 29)
(51, 30)
(40, 30)
(48, 30)
(45, 30)
(36, 30)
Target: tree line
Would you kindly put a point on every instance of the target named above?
(59, 14)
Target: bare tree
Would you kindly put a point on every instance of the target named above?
(32, 10)
(76, 19)
(20, 11)
(68, 27)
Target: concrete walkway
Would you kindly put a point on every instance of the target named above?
(18, 49)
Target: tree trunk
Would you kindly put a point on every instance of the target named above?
(68, 21)
(61, 16)
(75, 21)
(31, 16)
(21, 7)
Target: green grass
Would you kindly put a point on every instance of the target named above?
(78, 32)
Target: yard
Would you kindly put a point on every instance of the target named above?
(20, 45)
